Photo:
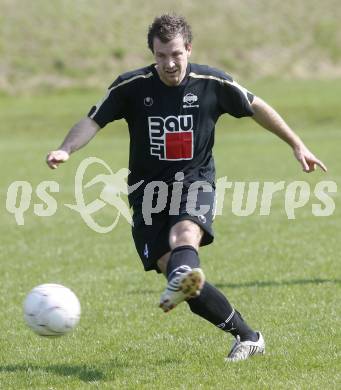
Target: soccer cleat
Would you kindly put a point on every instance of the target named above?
(181, 288)
(241, 350)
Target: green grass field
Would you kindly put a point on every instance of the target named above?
(64, 43)
(283, 275)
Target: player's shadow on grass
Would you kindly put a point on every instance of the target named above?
(279, 283)
(84, 373)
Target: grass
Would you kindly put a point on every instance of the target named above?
(59, 44)
(283, 275)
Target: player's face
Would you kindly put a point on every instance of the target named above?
(171, 60)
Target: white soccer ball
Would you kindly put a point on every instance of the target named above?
(51, 310)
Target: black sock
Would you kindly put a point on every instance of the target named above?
(212, 305)
(182, 258)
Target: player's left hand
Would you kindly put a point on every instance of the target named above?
(307, 159)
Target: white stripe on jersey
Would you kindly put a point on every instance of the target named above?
(224, 81)
(99, 104)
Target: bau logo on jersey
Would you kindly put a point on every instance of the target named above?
(171, 138)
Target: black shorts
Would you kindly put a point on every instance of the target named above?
(152, 240)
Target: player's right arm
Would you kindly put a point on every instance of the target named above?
(111, 107)
(79, 135)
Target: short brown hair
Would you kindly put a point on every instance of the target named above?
(167, 27)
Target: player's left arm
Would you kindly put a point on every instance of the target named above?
(268, 118)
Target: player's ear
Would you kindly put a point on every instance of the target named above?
(189, 49)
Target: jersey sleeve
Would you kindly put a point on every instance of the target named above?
(111, 107)
(235, 99)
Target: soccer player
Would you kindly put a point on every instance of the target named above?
(171, 108)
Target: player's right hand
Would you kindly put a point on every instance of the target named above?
(55, 157)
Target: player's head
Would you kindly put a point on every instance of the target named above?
(167, 27)
(170, 40)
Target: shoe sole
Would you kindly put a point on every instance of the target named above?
(190, 286)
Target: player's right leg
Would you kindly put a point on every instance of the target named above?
(185, 278)
(186, 282)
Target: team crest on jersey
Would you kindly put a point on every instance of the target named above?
(148, 101)
(171, 138)
(189, 100)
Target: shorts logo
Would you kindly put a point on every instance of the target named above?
(146, 251)
(171, 138)
(189, 101)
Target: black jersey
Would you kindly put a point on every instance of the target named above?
(171, 128)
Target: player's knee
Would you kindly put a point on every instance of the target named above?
(185, 233)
